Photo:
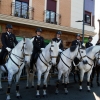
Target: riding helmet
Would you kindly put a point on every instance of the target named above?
(90, 37)
(78, 35)
(38, 30)
(59, 32)
(9, 26)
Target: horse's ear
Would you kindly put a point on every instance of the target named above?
(24, 38)
(32, 39)
(59, 42)
(51, 41)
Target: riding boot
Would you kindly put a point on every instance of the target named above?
(31, 66)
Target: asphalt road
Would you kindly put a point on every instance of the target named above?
(74, 93)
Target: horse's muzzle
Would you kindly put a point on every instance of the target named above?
(85, 62)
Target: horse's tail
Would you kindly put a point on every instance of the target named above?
(30, 77)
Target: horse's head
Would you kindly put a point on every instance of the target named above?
(81, 54)
(54, 50)
(97, 57)
(27, 49)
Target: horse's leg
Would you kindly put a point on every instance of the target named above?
(88, 80)
(92, 75)
(38, 83)
(0, 79)
(48, 79)
(97, 70)
(63, 81)
(58, 81)
(66, 78)
(45, 83)
(17, 84)
(81, 79)
(27, 72)
(10, 76)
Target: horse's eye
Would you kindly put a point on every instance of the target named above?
(81, 51)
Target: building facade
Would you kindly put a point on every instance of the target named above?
(50, 15)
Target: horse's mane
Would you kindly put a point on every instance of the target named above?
(89, 49)
(73, 48)
(28, 44)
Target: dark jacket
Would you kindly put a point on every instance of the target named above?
(75, 42)
(38, 44)
(88, 44)
(61, 44)
(8, 40)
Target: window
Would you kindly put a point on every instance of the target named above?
(88, 18)
(21, 8)
(51, 12)
(50, 17)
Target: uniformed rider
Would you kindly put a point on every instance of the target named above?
(8, 40)
(38, 44)
(89, 44)
(77, 41)
(57, 39)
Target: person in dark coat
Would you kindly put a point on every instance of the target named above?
(38, 43)
(61, 48)
(76, 60)
(89, 44)
(57, 39)
(8, 40)
(77, 41)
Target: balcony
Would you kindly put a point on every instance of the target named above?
(22, 10)
(52, 17)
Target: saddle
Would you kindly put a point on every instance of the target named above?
(4, 58)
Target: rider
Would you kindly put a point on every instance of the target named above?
(8, 40)
(61, 48)
(77, 41)
(38, 44)
(57, 39)
(89, 44)
(76, 60)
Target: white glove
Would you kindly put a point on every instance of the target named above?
(8, 49)
(42, 49)
(60, 50)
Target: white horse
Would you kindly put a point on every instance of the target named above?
(16, 61)
(92, 53)
(44, 62)
(64, 65)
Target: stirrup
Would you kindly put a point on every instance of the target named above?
(31, 71)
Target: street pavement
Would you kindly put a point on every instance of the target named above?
(74, 93)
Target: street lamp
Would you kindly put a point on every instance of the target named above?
(83, 21)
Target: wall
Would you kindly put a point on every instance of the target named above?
(77, 14)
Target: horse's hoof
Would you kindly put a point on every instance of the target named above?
(88, 90)
(91, 85)
(38, 96)
(27, 87)
(49, 85)
(44, 96)
(32, 86)
(63, 84)
(19, 97)
(66, 93)
(98, 84)
(56, 93)
(1, 89)
(80, 90)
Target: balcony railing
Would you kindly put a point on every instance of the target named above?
(52, 17)
(22, 11)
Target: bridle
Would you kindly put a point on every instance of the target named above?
(72, 59)
(21, 59)
(80, 54)
(50, 63)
